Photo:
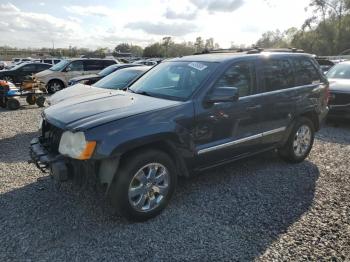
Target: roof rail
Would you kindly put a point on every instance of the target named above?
(253, 50)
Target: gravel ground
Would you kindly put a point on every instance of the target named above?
(258, 209)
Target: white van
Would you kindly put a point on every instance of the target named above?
(57, 77)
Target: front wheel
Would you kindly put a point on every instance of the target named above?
(31, 99)
(300, 141)
(144, 185)
(54, 86)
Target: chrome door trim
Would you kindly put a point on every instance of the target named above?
(242, 140)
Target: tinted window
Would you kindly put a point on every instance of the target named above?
(75, 66)
(305, 72)
(242, 76)
(93, 65)
(56, 61)
(42, 67)
(108, 63)
(28, 68)
(277, 74)
(48, 61)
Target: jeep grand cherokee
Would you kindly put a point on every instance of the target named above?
(183, 116)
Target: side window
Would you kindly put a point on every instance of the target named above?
(306, 72)
(56, 61)
(240, 75)
(28, 68)
(48, 61)
(277, 74)
(75, 66)
(108, 63)
(93, 65)
(42, 67)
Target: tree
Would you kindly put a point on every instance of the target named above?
(199, 44)
(209, 44)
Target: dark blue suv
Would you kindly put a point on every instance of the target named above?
(183, 116)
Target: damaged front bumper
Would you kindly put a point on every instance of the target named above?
(63, 168)
(48, 162)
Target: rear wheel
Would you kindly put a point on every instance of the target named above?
(13, 104)
(144, 185)
(54, 86)
(31, 99)
(300, 141)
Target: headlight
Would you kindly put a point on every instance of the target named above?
(75, 145)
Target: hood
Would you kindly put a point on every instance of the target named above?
(75, 91)
(43, 73)
(84, 77)
(339, 85)
(86, 112)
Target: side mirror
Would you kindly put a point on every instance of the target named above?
(223, 94)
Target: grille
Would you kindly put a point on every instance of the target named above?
(340, 99)
(52, 137)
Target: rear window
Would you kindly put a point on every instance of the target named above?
(306, 73)
(277, 74)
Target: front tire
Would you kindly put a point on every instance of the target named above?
(144, 185)
(54, 86)
(31, 99)
(300, 141)
(13, 104)
(40, 101)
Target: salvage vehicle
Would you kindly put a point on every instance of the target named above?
(22, 72)
(93, 78)
(184, 116)
(119, 80)
(56, 78)
(339, 80)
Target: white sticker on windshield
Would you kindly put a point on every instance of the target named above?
(197, 66)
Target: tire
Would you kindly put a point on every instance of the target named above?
(126, 182)
(3, 102)
(54, 86)
(300, 142)
(8, 79)
(13, 104)
(31, 99)
(40, 101)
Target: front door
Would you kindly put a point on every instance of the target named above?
(74, 69)
(227, 130)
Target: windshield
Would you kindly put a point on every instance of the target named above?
(61, 65)
(174, 80)
(108, 70)
(119, 79)
(339, 71)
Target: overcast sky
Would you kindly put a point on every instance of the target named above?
(96, 23)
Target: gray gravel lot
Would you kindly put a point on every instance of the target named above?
(258, 209)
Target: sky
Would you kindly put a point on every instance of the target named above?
(93, 23)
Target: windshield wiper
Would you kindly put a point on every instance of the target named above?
(144, 93)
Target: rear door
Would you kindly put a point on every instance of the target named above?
(25, 72)
(280, 97)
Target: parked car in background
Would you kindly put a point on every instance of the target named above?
(22, 72)
(325, 64)
(339, 80)
(119, 80)
(146, 62)
(183, 116)
(51, 61)
(93, 78)
(58, 76)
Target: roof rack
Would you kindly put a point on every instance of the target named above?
(253, 50)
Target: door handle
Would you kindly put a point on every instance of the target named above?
(254, 108)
